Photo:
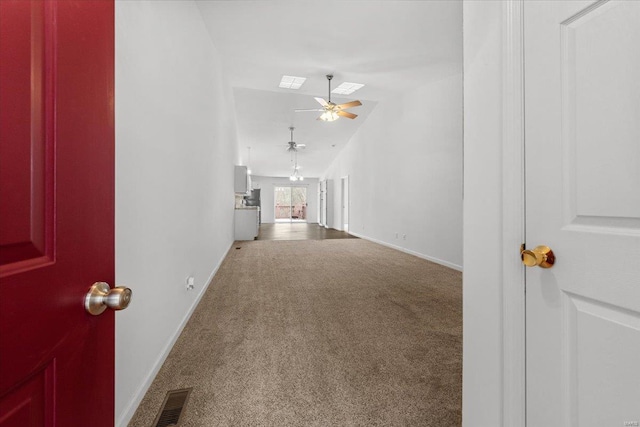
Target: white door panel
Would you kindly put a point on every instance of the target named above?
(582, 133)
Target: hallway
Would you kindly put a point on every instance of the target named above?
(177, 152)
(351, 333)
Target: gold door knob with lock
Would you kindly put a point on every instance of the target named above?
(101, 296)
(542, 256)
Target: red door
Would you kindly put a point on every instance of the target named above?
(56, 211)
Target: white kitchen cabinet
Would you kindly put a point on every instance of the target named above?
(241, 180)
(247, 223)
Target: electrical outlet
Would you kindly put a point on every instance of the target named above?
(191, 283)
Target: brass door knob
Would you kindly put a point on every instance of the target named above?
(101, 296)
(542, 256)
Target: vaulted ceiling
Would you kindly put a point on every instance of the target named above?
(389, 46)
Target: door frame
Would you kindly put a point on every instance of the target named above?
(344, 206)
(513, 211)
(322, 215)
(493, 102)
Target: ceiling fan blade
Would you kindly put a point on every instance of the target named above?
(310, 109)
(321, 102)
(301, 145)
(346, 114)
(349, 105)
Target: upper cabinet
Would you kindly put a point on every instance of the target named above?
(241, 181)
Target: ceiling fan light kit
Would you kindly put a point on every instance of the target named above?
(329, 116)
(293, 149)
(293, 146)
(295, 176)
(331, 111)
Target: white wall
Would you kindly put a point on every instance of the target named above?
(405, 173)
(175, 151)
(267, 185)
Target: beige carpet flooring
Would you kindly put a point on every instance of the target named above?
(319, 333)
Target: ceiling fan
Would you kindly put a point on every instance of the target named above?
(331, 111)
(293, 146)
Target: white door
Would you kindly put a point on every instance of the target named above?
(323, 203)
(582, 133)
(345, 203)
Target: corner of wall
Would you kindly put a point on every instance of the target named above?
(127, 413)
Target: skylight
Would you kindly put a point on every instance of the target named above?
(291, 82)
(347, 88)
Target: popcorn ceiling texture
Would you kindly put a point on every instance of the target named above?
(317, 333)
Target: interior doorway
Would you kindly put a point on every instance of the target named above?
(290, 204)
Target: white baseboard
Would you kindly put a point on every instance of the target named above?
(409, 251)
(128, 413)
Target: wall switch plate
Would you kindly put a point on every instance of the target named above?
(191, 283)
(404, 237)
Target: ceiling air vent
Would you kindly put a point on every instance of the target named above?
(171, 410)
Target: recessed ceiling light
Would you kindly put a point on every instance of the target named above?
(347, 88)
(291, 82)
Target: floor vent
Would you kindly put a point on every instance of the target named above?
(171, 410)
